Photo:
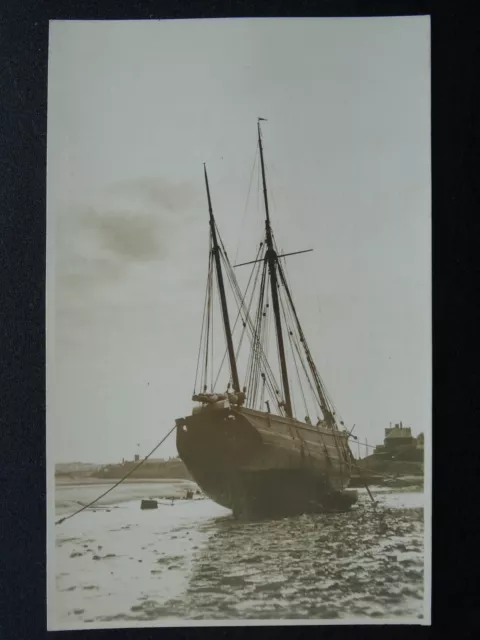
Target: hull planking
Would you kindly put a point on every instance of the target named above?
(262, 465)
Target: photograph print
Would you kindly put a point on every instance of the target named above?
(238, 322)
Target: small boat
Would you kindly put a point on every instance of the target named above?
(245, 445)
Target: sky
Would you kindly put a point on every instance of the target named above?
(134, 109)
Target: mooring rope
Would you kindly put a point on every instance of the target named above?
(119, 482)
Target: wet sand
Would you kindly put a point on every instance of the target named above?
(193, 561)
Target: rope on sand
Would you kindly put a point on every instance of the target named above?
(119, 482)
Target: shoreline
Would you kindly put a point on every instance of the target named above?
(89, 480)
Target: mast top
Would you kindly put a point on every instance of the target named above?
(264, 181)
(210, 210)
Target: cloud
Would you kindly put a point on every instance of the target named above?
(129, 236)
(130, 223)
(155, 191)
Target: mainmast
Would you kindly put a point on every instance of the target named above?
(221, 287)
(272, 260)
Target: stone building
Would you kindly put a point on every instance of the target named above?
(400, 444)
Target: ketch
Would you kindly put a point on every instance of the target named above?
(245, 444)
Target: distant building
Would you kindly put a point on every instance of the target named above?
(397, 436)
(76, 468)
(149, 468)
(153, 462)
(400, 444)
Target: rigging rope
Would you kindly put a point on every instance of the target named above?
(290, 340)
(248, 196)
(240, 299)
(266, 343)
(320, 390)
(308, 376)
(119, 482)
(292, 337)
(271, 382)
(312, 366)
(207, 331)
(203, 326)
(212, 334)
(255, 353)
(250, 303)
(242, 302)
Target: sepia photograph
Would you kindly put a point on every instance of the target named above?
(239, 341)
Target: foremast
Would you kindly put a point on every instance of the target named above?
(221, 289)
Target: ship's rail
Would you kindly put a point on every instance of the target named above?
(293, 422)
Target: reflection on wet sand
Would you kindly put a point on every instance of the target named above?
(362, 564)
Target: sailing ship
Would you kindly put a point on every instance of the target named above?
(250, 454)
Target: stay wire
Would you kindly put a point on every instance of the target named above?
(203, 324)
(261, 349)
(256, 344)
(292, 345)
(247, 310)
(248, 197)
(241, 304)
(296, 342)
(207, 332)
(269, 373)
(212, 335)
(312, 366)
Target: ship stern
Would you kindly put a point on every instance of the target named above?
(215, 443)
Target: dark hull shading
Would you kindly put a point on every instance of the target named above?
(262, 465)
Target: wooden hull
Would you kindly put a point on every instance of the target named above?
(263, 465)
